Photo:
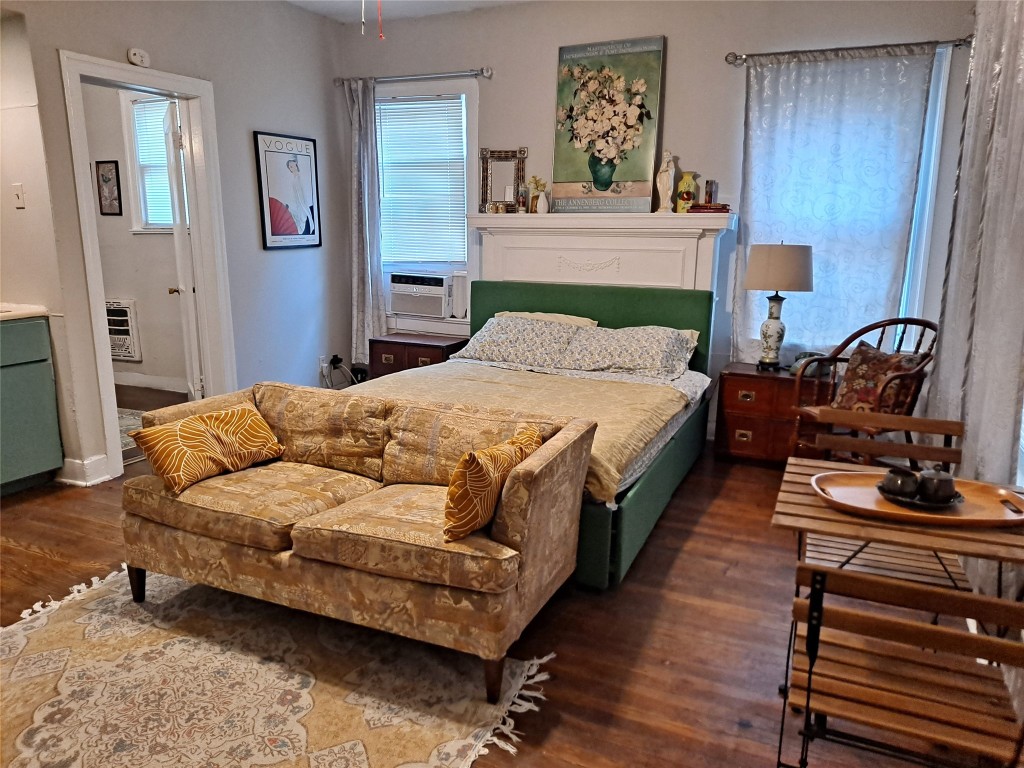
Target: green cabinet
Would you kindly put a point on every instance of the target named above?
(29, 431)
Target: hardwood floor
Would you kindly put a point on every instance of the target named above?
(678, 667)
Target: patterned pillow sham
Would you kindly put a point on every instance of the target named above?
(651, 350)
(553, 317)
(186, 451)
(519, 340)
(865, 373)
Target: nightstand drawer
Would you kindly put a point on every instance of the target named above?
(748, 395)
(417, 357)
(746, 436)
(386, 358)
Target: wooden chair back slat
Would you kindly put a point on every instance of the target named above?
(868, 447)
(878, 589)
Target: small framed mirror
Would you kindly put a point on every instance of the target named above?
(488, 202)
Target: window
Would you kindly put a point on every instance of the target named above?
(424, 141)
(841, 153)
(148, 185)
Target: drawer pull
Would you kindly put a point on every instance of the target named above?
(387, 359)
(746, 396)
(744, 435)
(422, 361)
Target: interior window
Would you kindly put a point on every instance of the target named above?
(423, 151)
(148, 188)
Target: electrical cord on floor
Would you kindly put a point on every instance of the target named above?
(327, 377)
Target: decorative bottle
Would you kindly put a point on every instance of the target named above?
(687, 191)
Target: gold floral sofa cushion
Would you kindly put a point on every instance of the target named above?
(256, 507)
(325, 427)
(428, 439)
(398, 531)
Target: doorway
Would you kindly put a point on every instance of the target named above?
(199, 249)
(135, 229)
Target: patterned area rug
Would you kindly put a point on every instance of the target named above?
(200, 677)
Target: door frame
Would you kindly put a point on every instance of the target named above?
(216, 337)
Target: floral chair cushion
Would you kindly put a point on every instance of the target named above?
(865, 375)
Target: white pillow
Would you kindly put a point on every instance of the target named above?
(553, 317)
(538, 343)
(650, 350)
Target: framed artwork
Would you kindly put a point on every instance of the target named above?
(108, 186)
(289, 191)
(606, 126)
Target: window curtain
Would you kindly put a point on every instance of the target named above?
(831, 155)
(979, 370)
(368, 309)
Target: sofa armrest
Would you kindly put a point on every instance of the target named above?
(207, 405)
(539, 511)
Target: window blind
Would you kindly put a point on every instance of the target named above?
(421, 156)
(151, 156)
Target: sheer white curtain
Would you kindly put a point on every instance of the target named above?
(831, 158)
(369, 317)
(979, 372)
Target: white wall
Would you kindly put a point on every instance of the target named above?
(136, 266)
(703, 105)
(271, 65)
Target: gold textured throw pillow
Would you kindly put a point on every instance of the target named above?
(477, 482)
(186, 451)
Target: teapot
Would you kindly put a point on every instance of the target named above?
(935, 485)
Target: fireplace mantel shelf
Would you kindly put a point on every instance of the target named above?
(632, 224)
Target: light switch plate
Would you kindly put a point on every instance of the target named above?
(19, 195)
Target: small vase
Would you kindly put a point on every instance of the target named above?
(601, 173)
(687, 191)
(542, 202)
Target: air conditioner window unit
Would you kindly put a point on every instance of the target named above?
(420, 295)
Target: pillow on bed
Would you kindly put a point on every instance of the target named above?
(539, 343)
(552, 317)
(651, 350)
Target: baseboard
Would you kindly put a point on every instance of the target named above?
(84, 472)
(168, 383)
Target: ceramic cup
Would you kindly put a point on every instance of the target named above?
(900, 482)
(936, 486)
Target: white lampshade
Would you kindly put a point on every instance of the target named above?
(779, 268)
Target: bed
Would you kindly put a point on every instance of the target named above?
(615, 521)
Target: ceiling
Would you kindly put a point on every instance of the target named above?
(350, 11)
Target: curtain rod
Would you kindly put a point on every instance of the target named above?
(482, 72)
(739, 59)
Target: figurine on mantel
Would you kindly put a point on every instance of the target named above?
(666, 177)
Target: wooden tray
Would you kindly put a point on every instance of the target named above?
(983, 505)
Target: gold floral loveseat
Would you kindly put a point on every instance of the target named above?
(348, 522)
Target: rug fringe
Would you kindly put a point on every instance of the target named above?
(74, 593)
(503, 735)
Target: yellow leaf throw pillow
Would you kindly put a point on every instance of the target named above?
(186, 451)
(477, 482)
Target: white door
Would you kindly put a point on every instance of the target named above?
(181, 178)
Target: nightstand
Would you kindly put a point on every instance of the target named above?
(399, 351)
(755, 418)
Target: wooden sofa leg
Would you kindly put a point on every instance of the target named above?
(494, 671)
(137, 581)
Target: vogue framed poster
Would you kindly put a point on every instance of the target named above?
(606, 126)
(289, 190)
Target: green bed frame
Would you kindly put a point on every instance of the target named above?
(611, 539)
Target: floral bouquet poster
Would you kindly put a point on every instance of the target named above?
(606, 126)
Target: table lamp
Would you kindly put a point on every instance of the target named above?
(777, 268)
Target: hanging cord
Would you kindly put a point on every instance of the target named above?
(362, 19)
(380, 19)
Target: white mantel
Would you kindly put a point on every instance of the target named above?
(667, 249)
(684, 250)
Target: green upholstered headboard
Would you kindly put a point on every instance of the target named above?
(613, 306)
